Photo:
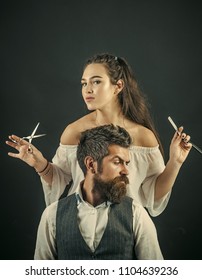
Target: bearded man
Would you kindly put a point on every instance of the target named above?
(99, 221)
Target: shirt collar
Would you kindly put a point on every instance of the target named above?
(79, 196)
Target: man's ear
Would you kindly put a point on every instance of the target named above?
(119, 86)
(90, 164)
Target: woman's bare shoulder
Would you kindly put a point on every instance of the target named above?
(72, 132)
(143, 136)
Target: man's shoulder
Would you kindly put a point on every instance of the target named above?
(139, 210)
(65, 202)
(49, 212)
(52, 207)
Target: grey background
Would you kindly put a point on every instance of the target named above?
(42, 50)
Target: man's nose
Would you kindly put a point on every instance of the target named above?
(124, 170)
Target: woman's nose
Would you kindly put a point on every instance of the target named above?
(89, 88)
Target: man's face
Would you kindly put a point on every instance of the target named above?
(112, 180)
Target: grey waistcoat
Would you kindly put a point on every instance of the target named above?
(117, 242)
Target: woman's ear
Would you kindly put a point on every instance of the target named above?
(119, 86)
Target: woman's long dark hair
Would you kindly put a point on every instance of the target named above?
(132, 100)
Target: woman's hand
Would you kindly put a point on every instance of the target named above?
(180, 146)
(26, 152)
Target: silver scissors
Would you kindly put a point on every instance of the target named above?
(30, 137)
(176, 129)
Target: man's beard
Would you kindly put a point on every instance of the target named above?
(112, 190)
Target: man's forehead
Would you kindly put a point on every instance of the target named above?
(116, 150)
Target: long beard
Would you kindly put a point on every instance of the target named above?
(112, 190)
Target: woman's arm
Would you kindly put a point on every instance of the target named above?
(179, 150)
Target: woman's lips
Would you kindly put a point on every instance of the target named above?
(88, 99)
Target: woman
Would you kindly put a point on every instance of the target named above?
(111, 92)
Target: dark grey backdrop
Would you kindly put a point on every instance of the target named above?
(42, 50)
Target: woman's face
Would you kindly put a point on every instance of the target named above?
(97, 89)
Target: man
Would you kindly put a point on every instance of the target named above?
(99, 221)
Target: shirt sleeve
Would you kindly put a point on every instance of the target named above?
(145, 167)
(45, 248)
(156, 166)
(61, 175)
(145, 235)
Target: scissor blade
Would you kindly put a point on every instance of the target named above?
(35, 130)
(32, 137)
(40, 135)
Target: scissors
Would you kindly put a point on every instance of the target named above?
(30, 138)
(176, 129)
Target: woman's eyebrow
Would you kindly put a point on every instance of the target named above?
(93, 77)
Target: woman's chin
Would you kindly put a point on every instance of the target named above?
(91, 108)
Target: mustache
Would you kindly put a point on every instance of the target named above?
(119, 179)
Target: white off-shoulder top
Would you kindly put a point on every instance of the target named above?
(145, 165)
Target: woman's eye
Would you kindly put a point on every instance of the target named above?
(96, 82)
(83, 84)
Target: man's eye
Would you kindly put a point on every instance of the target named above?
(117, 162)
(83, 84)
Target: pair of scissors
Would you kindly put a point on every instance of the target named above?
(30, 138)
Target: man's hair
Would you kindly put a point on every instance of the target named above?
(96, 141)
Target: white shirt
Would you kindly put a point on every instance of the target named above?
(92, 222)
(146, 163)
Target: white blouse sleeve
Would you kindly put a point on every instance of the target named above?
(155, 168)
(61, 174)
(146, 165)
